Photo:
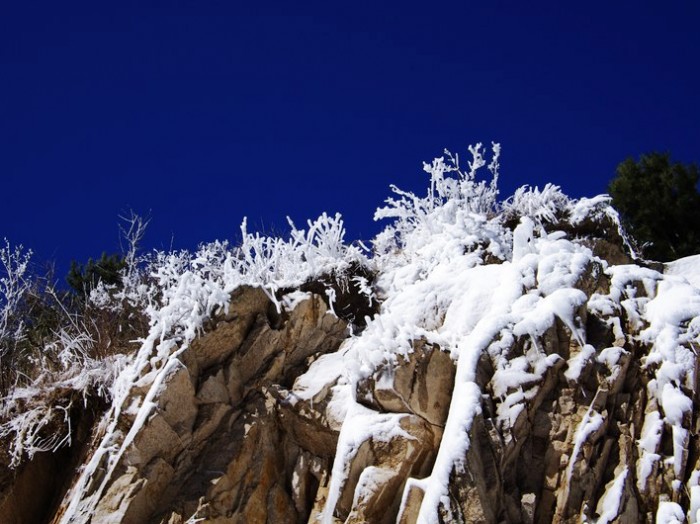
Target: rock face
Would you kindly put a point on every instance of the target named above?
(212, 443)
(584, 413)
(553, 387)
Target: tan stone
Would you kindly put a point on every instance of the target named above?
(376, 473)
(234, 438)
(411, 503)
(176, 402)
(420, 383)
(213, 390)
(218, 345)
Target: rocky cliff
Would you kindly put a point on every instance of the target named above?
(497, 368)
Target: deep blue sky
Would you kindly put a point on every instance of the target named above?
(200, 113)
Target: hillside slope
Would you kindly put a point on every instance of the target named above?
(491, 362)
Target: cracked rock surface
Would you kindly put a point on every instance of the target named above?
(556, 386)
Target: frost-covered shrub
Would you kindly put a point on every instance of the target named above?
(547, 206)
(460, 215)
(457, 206)
(161, 303)
(14, 286)
(36, 418)
(31, 313)
(411, 211)
(179, 290)
(47, 358)
(318, 250)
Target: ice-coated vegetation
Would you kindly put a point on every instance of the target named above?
(178, 291)
(457, 204)
(175, 291)
(14, 285)
(457, 268)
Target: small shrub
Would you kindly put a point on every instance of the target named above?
(83, 278)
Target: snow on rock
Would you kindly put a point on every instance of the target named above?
(670, 513)
(492, 362)
(688, 268)
(652, 430)
(523, 238)
(609, 504)
(694, 512)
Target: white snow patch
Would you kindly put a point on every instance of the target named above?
(578, 362)
(371, 479)
(293, 299)
(609, 504)
(688, 268)
(561, 303)
(592, 422)
(669, 513)
(648, 444)
(523, 238)
(360, 425)
(694, 511)
(322, 374)
(675, 404)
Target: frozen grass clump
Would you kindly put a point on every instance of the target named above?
(160, 306)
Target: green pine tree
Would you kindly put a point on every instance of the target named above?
(660, 205)
(84, 277)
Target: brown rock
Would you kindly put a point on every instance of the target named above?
(377, 472)
(420, 383)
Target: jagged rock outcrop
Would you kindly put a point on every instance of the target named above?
(568, 415)
(520, 370)
(211, 443)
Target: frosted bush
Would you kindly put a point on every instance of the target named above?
(176, 292)
(318, 250)
(36, 418)
(179, 290)
(14, 285)
(457, 205)
(29, 437)
(545, 206)
(411, 211)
